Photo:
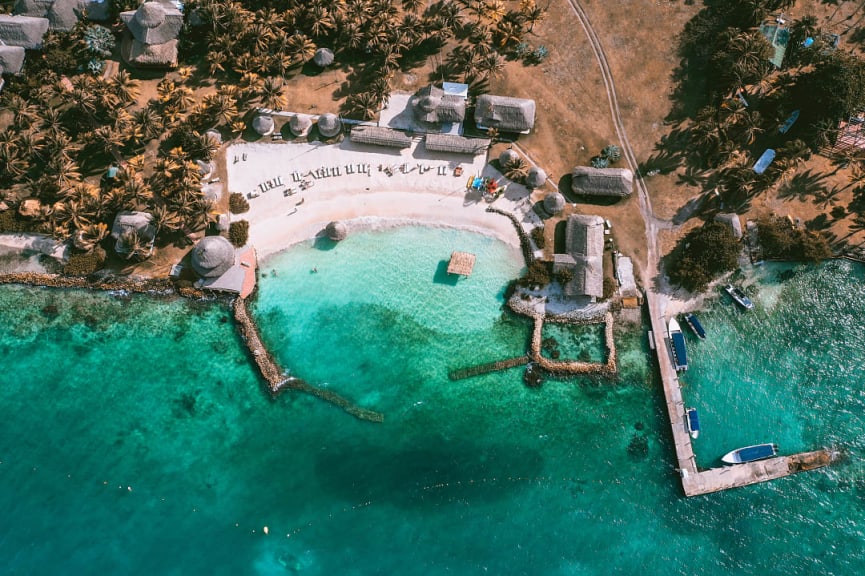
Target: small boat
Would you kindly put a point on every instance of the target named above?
(788, 123)
(677, 339)
(695, 326)
(750, 453)
(692, 422)
(739, 296)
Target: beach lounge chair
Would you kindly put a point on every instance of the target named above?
(349, 168)
(337, 171)
(296, 176)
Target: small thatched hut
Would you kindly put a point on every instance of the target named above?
(602, 181)
(22, 31)
(300, 124)
(11, 59)
(263, 124)
(212, 256)
(62, 15)
(536, 177)
(336, 231)
(138, 223)
(153, 31)
(329, 125)
(323, 57)
(508, 157)
(554, 203)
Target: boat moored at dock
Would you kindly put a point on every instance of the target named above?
(677, 343)
(695, 326)
(739, 297)
(692, 422)
(750, 453)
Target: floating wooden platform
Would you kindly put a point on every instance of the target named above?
(461, 263)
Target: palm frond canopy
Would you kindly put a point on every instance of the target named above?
(139, 223)
(212, 256)
(323, 57)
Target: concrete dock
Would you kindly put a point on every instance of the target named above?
(694, 481)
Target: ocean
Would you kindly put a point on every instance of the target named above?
(136, 437)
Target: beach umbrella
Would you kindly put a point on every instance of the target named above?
(336, 231)
(299, 124)
(212, 256)
(536, 177)
(263, 125)
(554, 203)
(329, 125)
(323, 57)
(508, 157)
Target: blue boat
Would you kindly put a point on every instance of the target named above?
(692, 421)
(695, 325)
(677, 339)
(750, 453)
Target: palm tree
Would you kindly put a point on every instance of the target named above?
(752, 127)
(412, 5)
(271, 94)
(136, 246)
(90, 235)
(364, 104)
(517, 170)
(24, 114)
(126, 88)
(300, 47)
(532, 13)
(216, 61)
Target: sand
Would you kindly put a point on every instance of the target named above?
(286, 214)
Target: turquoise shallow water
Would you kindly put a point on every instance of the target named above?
(100, 394)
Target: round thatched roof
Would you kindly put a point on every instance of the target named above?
(536, 177)
(336, 231)
(329, 125)
(263, 124)
(212, 256)
(508, 157)
(150, 14)
(323, 57)
(554, 203)
(299, 125)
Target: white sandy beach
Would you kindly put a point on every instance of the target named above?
(362, 200)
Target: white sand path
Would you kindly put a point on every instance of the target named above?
(363, 200)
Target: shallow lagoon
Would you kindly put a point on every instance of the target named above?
(101, 394)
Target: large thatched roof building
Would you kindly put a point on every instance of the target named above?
(212, 256)
(138, 223)
(11, 59)
(602, 181)
(584, 241)
(505, 113)
(380, 136)
(22, 31)
(62, 15)
(431, 105)
(329, 125)
(152, 35)
(455, 144)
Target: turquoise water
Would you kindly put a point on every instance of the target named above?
(136, 439)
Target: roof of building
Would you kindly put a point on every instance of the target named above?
(149, 55)
(432, 105)
(625, 274)
(323, 57)
(263, 124)
(329, 125)
(455, 144)
(380, 136)
(536, 177)
(300, 124)
(140, 223)
(62, 15)
(154, 22)
(11, 59)
(554, 203)
(461, 263)
(602, 181)
(505, 113)
(22, 31)
(584, 239)
(212, 256)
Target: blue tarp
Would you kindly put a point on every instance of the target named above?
(764, 161)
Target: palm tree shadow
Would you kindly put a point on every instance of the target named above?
(803, 185)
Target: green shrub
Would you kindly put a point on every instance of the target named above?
(702, 255)
(779, 239)
(237, 203)
(610, 287)
(238, 232)
(538, 274)
(537, 234)
(564, 276)
(10, 221)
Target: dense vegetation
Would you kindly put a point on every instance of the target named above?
(780, 239)
(238, 232)
(702, 255)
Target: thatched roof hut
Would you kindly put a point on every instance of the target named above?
(62, 15)
(554, 203)
(536, 177)
(508, 157)
(140, 223)
(455, 144)
(212, 256)
(263, 124)
(602, 181)
(22, 31)
(323, 57)
(30, 207)
(300, 124)
(505, 113)
(329, 125)
(336, 231)
(153, 31)
(584, 240)
(461, 263)
(431, 105)
(214, 136)
(380, 136)
(11, 59)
